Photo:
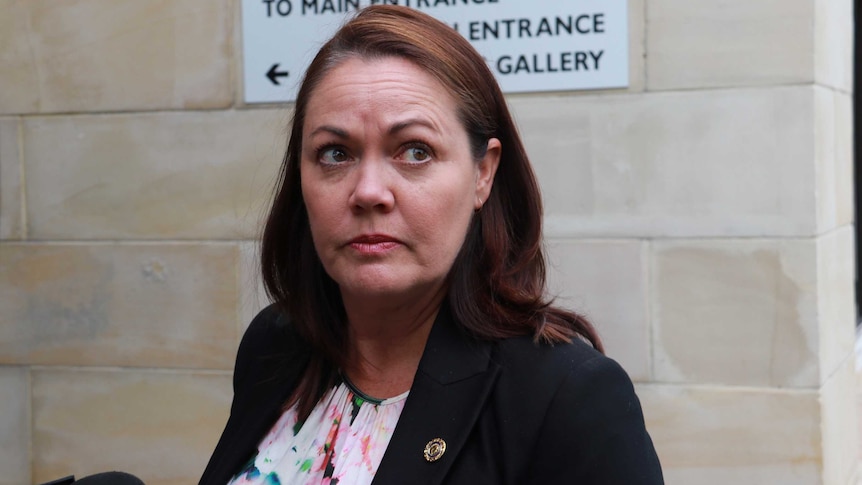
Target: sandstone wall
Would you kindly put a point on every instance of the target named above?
(703, 218)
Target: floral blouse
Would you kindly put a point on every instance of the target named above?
(342, 442)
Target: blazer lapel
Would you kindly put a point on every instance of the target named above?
(454, 379)
(252, 419)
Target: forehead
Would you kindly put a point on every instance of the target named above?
(385, 86)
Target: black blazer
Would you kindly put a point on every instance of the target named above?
(510, 412)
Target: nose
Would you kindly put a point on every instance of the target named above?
(372, 190)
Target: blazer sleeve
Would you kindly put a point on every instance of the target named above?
(257, 339)
(594, 433)
(252, 370)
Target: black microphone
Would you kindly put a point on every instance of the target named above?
(111, 478)
(107, 478)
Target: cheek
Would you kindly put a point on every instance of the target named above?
(321, 213)
(444, 217)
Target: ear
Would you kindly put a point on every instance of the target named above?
(487, 168)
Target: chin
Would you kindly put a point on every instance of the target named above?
(374, 289)
(392, 289)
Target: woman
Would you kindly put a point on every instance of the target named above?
(411, 340)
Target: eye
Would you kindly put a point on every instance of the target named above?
(332, 155)
(417, 153)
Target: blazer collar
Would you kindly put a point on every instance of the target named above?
(454, 379)
(258, 409)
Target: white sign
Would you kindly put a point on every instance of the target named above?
(530, 45)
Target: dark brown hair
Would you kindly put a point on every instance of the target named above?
(497, 283)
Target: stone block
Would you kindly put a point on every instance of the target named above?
(11, 181)
(836, 298)
(839, 423)
(833, 135)
(694, 45)
(682, 164)
(833, 44)
(715, 436)
(160, 426)
(858, 403)
(606, 281)
(204, 175)
(100, 55)
(737, 312)
(14, 425)
(140, 305)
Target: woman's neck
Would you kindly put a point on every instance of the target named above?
(387, 341)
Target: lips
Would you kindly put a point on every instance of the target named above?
(371, 244)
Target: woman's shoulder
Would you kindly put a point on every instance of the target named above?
(573, 370)
(573, 377)
(582, 409)
(268, 327)
(269, 342)
(550, 362)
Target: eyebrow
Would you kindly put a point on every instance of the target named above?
(402, 125)
(330, 129)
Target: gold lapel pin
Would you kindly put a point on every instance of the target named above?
(434, 450)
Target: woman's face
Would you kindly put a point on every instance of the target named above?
(388, 179)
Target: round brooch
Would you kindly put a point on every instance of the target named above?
(434, 450)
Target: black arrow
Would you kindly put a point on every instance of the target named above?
(273, 74)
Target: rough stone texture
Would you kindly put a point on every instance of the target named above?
(14, 425)
(836, 298)
(102, 55)
(729, 43)
(833, 44)
(736, 313)
(701, 217)
(606, 281)
(160, 426)
(716, 436)
(839, 425)
(124, 305)
(11, 193)
(205, 175)
(858, 402)
(833, 125)
(675, 164)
